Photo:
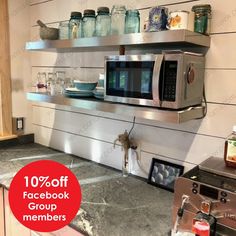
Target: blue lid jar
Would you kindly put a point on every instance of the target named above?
(103, 21)
(75, 28)
(88, 23)
(132, 21)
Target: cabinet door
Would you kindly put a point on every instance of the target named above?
(66, 231)
(13, 227)
(2, 227)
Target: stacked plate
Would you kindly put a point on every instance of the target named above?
(99, 92)
(77, 93)
(82, 89)
(85, 89)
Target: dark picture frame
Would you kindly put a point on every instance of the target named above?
(163, 174)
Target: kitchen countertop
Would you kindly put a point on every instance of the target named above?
(111, 204)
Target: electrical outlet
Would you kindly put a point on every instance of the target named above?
(18, 125)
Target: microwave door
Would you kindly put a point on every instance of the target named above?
(155, 80)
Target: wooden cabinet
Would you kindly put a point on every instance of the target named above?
(12, 225)
(2, 226)
(66, 231)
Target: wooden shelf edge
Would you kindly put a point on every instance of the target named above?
(2, 138)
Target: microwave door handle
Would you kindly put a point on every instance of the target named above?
(155, 80)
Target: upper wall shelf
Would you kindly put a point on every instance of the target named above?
(168, 37)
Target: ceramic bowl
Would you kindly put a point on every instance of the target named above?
(85, 85)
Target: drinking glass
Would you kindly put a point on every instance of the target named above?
(51, 83)
(60, 82)
(41, 82)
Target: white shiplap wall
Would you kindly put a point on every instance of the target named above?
(90, 134)
(19, 24)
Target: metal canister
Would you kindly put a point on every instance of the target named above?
(202, 18)
(178, 20)
(158, 17)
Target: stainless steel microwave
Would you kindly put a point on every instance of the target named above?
(169, 80)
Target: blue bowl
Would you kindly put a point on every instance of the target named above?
(85, 85)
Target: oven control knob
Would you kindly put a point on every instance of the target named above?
(195, 185)
(223, 200)
(223, 194)
(194, 191)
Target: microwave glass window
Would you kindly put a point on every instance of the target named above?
(123, 80)
(118, 80)
(146, 81)
(129, 79)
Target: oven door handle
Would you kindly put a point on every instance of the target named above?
(155, 80)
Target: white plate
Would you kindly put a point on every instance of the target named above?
(99, 88)
(98, 93)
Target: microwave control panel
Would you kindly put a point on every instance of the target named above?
(168, 80)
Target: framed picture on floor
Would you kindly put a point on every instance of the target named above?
(163, 174)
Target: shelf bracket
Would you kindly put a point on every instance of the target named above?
(122, 50)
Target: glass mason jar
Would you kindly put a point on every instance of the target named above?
(132, 21)
(88, 23)
(230, 149)
(202, 18)
(64, 30)
(118, 19)
(75, 25)
(103, 22)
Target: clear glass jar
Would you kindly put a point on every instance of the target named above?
(41, 84)
(103, 22)
(118, 19)
(202, 18)
(60, 82)
(132, 22)
(75, 25)
(51, 83)
(88, 23)
(230, 149)
(64, 30)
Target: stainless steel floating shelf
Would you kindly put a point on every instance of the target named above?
(175, 37)
(121, 109)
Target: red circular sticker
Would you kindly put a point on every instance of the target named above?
(45, 196)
